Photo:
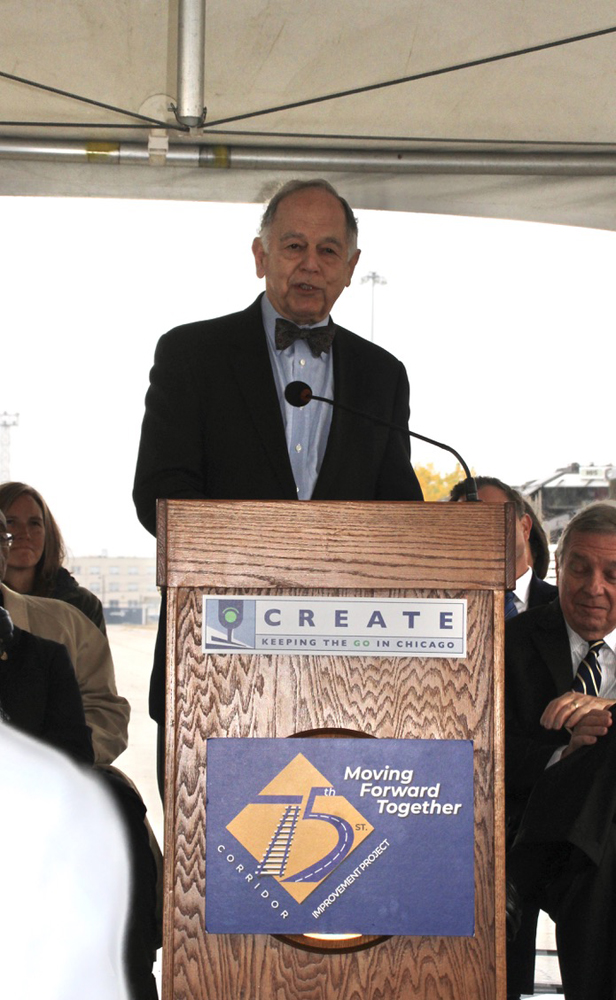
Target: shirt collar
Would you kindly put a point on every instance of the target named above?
(522, 586)
(579, 646)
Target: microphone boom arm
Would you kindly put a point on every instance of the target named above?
(299, 394)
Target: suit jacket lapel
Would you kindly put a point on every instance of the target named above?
(252, 368)
(552, 641)
(540, 592)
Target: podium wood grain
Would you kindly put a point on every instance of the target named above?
(427, 550)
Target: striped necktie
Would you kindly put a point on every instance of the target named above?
(511, 608)
(588, 677)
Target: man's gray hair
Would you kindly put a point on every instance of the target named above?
(291, 187)
(598, 518)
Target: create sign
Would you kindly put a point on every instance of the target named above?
(390, 627)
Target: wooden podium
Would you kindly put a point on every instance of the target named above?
(377, 549)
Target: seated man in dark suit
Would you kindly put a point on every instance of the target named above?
(217, 424)
(530, 590)
(560, 680)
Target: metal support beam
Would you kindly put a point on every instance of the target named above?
(279, 158)
(191, 63)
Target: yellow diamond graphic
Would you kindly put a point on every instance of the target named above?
(298, 829)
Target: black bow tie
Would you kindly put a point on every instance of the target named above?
(319, 338)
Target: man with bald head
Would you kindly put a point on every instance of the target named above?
(560, 678)
(217, 424)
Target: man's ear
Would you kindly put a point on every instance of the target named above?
(351, 265)
(527, 525)
(260, 254)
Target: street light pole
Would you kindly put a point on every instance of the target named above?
(376, 279)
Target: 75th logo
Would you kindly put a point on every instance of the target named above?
(298, 829)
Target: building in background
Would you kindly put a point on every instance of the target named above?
(126, 586)
(557, 497)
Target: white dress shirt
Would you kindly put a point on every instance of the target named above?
(607, 660)
(522, 587)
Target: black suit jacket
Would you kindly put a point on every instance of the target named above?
(573, 802)
(213, 428)
(540, 592)
(40, 695)
(537, 669)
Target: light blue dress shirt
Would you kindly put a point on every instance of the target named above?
(306, 428)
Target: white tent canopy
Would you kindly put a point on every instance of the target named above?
(528, 136)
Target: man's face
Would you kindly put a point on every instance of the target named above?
(523, 525)
(587, 584)
(306, 265)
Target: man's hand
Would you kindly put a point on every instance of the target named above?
(571, 708)
(594, 724)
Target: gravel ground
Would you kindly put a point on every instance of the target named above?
(132, 647)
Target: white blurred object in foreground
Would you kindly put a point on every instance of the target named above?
(64, 878)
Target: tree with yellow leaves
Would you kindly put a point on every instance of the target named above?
(436, 485)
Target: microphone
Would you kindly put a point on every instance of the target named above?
(300, 394)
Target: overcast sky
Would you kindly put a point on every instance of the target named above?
(506, 330)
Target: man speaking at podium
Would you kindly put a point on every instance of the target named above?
(216, 422)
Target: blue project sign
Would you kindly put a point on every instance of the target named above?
(340, 836)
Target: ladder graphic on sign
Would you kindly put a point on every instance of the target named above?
(277, 854)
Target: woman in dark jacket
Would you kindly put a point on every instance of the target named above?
(38, 551)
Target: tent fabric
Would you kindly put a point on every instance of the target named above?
(260, 54)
